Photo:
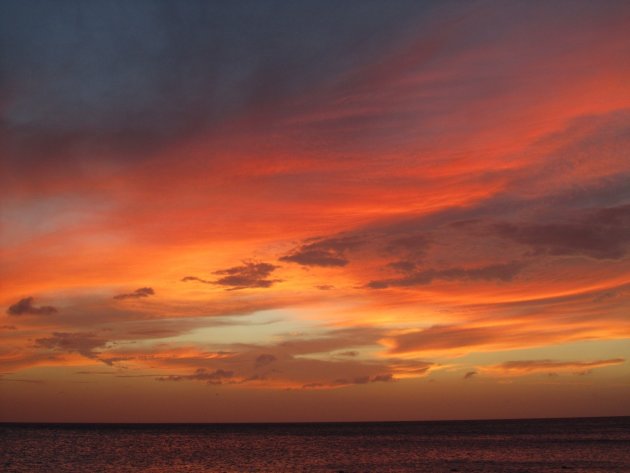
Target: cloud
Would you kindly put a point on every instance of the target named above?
(264, 360)
(535, 366)
(379, 378)
(25, 307)
(137, 294)
(351, 353)
(443, 338)
(329, 252)
(202, 374)
(495, 272)
(332, 340)
(470, 374)
(249, 275)
(600, 234)
(415, 245)
(195, 278)
(83, 343)
(459, 339)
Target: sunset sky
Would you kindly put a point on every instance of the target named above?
(314, 211)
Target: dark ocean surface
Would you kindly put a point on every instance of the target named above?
(564, 445)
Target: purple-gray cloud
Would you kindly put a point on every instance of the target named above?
(25, 307)
(137, 294)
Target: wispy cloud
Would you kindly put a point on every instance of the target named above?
(137, 294)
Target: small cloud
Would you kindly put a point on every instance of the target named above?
(359, 380)
(8, 327)
(325, 287)
(328, 252)
(470, 374)
(249, 275)
(382, 378)
(195, 278)
(264, 360)
(137, 294)
(348, 353)
(201, 374)
(25, 307)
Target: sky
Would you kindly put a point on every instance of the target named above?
(314, 211)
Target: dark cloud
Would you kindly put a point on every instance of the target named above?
(83, 343)
(25, 307)
(325, 287)
(348, 353)
(202, 374)
(249, 275)
(494, 272)
(264, 360)
(402, 266)
(323, 252)
(415, 244)
(380, 378)
(137, 294)
(470, 374)
(599, 234)
(133, 76)
(195, 278)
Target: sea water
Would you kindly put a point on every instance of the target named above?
(562, 445)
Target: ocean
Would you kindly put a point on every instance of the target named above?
(496, 446)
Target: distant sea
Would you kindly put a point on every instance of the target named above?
(551, 445)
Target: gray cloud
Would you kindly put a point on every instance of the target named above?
(351, 353)
(380, 378)
(264, 360)
(202, 374)
(470, 374)
(83, 343)
(323, 252)
(25, 307)
(250, 274)
(137, 294)
(600, 234)
(195, 278)
(494, 272)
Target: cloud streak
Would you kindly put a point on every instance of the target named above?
(523, 367)
(137, 294)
